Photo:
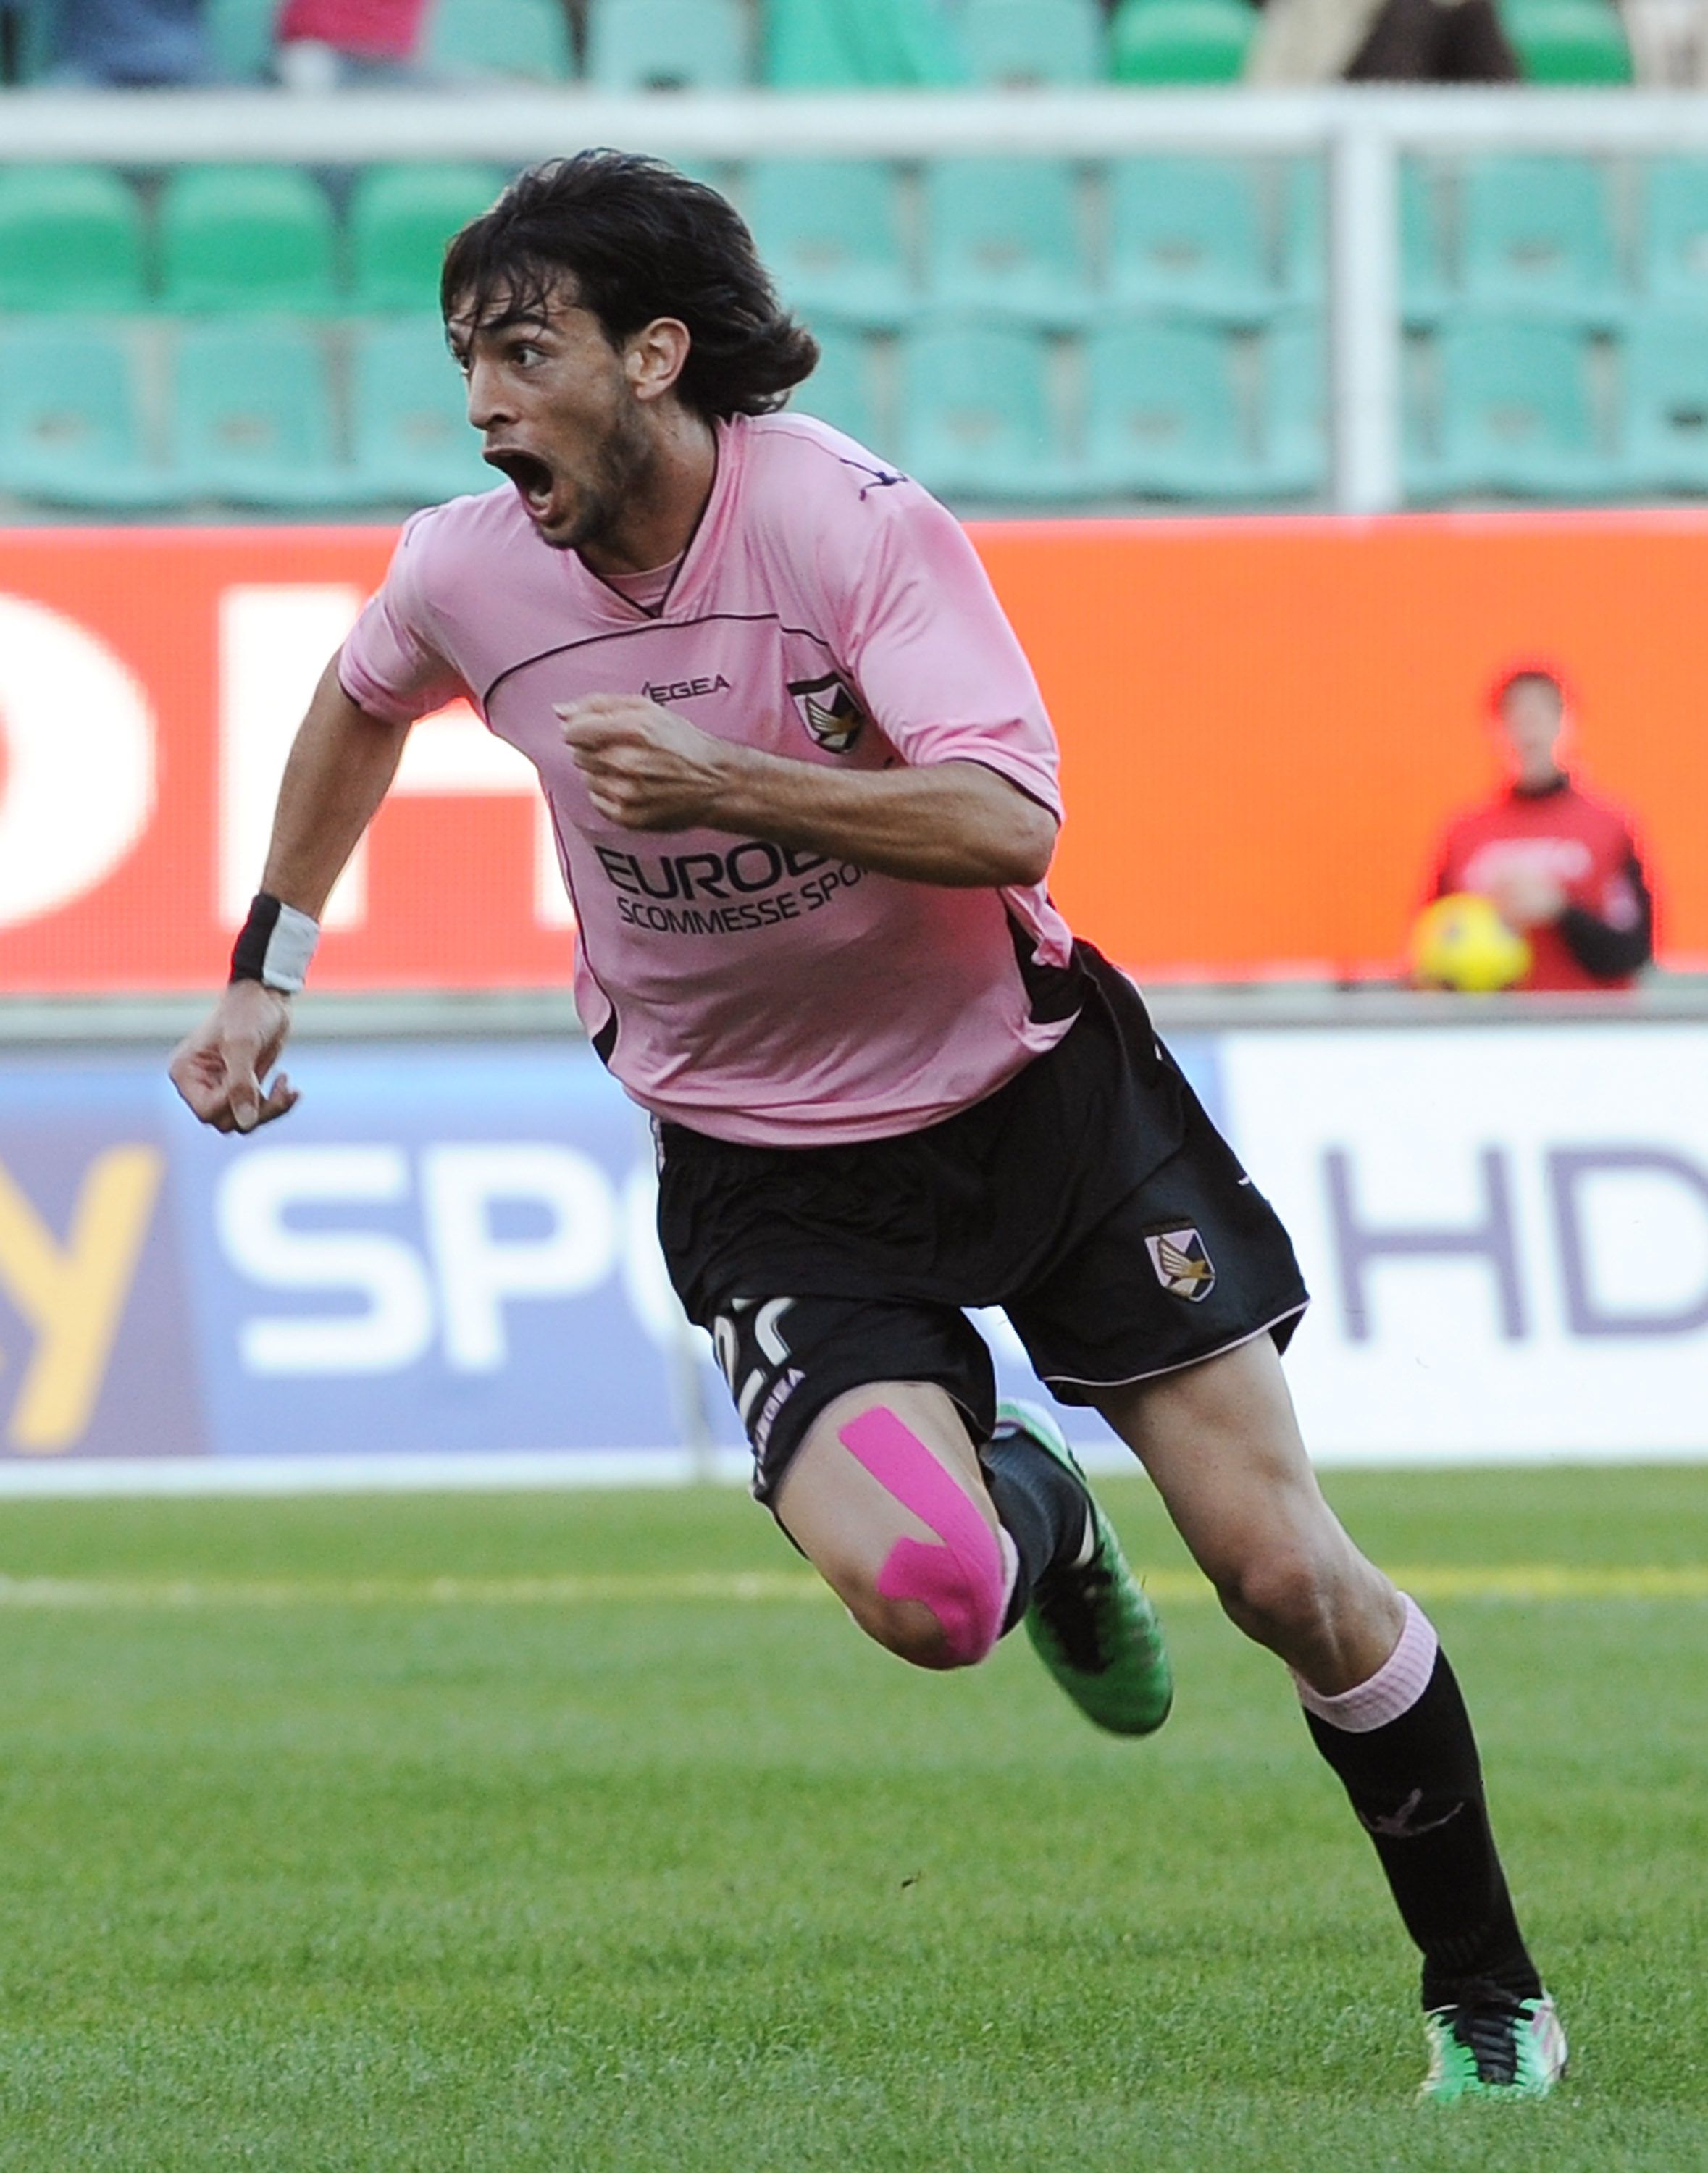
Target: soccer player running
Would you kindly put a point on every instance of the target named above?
(805, 792)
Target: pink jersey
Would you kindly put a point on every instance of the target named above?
(827, 610)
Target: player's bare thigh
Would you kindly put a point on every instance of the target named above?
(886, 1499)
(1221, 1444)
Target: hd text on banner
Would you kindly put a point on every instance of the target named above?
(1505, 1229)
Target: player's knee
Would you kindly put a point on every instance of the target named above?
(941, 1603)
(906, 1628)
(932, 1606)
(1281, 1598)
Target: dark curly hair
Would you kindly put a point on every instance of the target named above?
(640, 241)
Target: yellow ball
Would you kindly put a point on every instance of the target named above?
(1460, 942)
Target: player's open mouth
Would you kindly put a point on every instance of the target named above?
(531, 476)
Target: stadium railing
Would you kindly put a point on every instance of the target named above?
(1361, 134)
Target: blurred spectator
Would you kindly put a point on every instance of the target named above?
(1311, 41)
(329, 45)
(1561, 867)
(130, 45)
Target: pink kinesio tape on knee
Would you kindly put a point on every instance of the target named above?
(1395, 1687)
(964, 1581)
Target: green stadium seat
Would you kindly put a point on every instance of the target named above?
(830, 231)
(1562, 41)
(1181, 40)
(1675, 232)
(1294, 409)
(410, 430)
(976, 419)
(666, 44)
(839, 391)
(1536, 233)
(1425, 285)
(70, 429)
(1425, 290)
(1002, 239)
(1305, 233)
(1663, 437)
(1186, 234)
(252, 416)
(1018, 42)
(71, 238)
(854, 45)
(240, 32)
(719, 174)
(399, 219)
(1513, 414)
(1162, 412)
(526, 40)
(245, 238)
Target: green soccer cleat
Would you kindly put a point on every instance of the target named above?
(1090, 1623)
(1500, 2048)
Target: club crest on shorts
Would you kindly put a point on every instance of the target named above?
(829, 712)
(1183, 1267)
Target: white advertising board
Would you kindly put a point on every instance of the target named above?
(1505, 1228)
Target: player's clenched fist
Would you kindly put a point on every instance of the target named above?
(219, 1068)
(646, 768)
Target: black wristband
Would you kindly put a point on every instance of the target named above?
(275, 944)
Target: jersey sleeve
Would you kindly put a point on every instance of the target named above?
(1616, 935)
(937, 663)
(391, 665)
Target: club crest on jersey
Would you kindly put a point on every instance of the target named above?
(1183, 1267)
(829, 712)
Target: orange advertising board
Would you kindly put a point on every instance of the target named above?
(1264, 724)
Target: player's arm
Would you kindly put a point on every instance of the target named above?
(1610, 948)
(956, 823)
(340, 766)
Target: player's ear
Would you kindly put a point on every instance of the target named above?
(654, 358)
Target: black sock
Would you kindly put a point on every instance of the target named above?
(1043, 1508)
(1417, 1786)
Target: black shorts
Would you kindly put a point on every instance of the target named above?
(1090, 1197)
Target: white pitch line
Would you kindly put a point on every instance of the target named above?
(1523, 1581)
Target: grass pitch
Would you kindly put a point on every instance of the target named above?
(516, 1834)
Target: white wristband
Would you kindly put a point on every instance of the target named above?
(276, 945)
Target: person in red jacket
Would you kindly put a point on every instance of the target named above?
(1560, 866)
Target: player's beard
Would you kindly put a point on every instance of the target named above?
(618, 473)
